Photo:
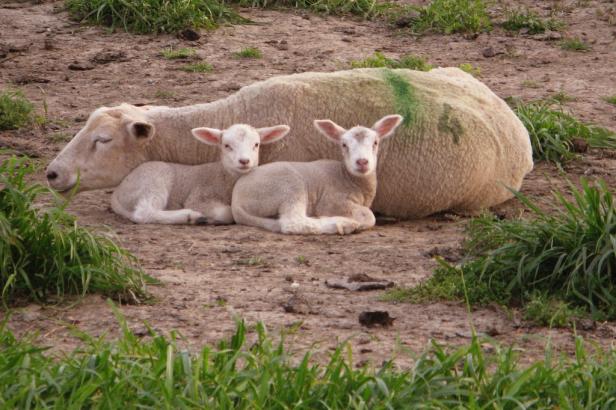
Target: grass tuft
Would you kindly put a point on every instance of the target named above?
(526, 19)
(553, 132)
(15, 110)
(363, 8)
(44, 253)
(378, 59)
(575, 44)
(249, 52)
(471, 69)
(569, 255)
(153, 16)
(453, 16)
(197, 68)
(177, 53)
(157, 373)
(611, 99)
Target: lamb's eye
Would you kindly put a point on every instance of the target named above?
(101, 141)
(227, 146)
(376, 143)
(344, 145)
(257, 145)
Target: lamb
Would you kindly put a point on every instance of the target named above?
(319, 197)
(168, 193)
(459, 148)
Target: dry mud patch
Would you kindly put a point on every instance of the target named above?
(214, 275)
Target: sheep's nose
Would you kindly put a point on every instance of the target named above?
(244, 161)
(51, 175)
(362, 162)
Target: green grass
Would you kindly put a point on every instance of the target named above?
(526, 19)
(249, 52)
(177, 53)
(575, 44)
(15, 110)
(553, 131)
(363, 8)
(569, 254)
(153, 16)
(45, 255)
(453, 16)
(378, 59)
(157, 373)
(562, 97)
(543, 310)
(471, 69)
(197, 68)
(611, 99)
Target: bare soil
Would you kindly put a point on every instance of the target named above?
(214, 275)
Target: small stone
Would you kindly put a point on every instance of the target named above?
(580, 145)
(488, 52)
(80, 66)
(189, 35)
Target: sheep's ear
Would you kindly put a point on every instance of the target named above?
(141, 130)
(211, 136)
(273, 134)
(330, 129)
(387, 125)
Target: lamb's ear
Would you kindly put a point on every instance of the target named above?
(140, 130)
(330, 129)
(387, 125)
(273, 134)
(210, 136)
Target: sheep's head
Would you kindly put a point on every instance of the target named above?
(104, 151)
(360, 145)
(239, 144)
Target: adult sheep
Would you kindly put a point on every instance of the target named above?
(460, 147)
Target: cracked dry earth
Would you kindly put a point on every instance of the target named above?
(213, 275)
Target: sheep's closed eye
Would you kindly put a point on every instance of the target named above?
(227, 146)
(101, 140)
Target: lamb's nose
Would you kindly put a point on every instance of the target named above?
(244, 161)
(362, 162)
(51, 175)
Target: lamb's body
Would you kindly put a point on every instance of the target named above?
(288, 197)
(166, 193)
(461, 146)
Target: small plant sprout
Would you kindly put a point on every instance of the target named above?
(179, 53)
(249, 52)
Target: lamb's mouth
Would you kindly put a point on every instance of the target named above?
(66, 190)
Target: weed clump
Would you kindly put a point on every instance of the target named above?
(453, 16)
(44, 253)
(153, 16)
(575, 44)
(249, 52)
(177, 53)
(529, 20)
(363, 8)
(15, 110)
(553, 132)
(568, 255)
(380, 60)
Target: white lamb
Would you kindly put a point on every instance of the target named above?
(168, 193)
(319, 197)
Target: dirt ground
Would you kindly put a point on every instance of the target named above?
(214, 275)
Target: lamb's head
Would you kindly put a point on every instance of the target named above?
(360, 145)
(104, 151)
(239, 144)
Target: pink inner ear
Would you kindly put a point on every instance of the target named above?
(330, 129)
(272, 135)
(207, 136)
(387, 125)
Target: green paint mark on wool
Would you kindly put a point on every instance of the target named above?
(405, 100)
(450, 124)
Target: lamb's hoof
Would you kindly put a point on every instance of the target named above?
(345, 228)
(202, 220)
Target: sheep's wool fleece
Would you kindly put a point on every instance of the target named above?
(460, 147)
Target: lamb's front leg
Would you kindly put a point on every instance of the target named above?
(215, 213)
(363, 215)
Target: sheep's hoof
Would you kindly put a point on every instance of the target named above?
(202, 220)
